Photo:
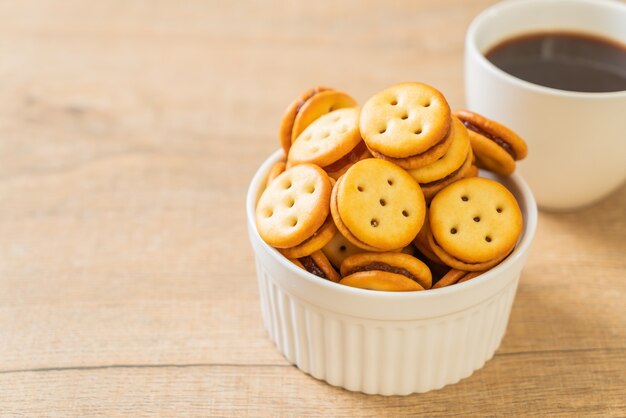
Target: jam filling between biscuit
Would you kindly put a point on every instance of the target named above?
(498, 140)
(312, 267)
(377, 265)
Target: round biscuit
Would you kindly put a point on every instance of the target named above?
(380, 205)
(405, 119)
(289, 116)
(327, 139)
(381, 280)
(400, 262)
(475, 220)
(495, 129)
(317, 106)
(293, 206)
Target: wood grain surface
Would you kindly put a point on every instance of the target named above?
(129, 131)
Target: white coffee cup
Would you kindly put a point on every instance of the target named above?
(576, 141)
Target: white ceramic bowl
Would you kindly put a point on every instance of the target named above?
(384, 342)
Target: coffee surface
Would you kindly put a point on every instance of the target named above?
(563, 60)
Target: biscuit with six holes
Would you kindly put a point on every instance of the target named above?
(475, 220)
(294, 206)
(327, 139)
(378, 206)
(317, 106)
(405, 120)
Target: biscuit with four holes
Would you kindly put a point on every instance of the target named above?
(495, 146)
(294, 206)
(378, 206)
(405, 122)
(317, 106)
(289, 117)
(398, 263)
(475, 220)
(327, 139)
(317, 263)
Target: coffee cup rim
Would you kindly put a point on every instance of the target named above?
(492, 11)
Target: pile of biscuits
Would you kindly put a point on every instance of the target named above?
(388, 197)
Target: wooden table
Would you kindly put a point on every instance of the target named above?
(128, 133)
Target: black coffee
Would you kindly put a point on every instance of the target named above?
(564, 60)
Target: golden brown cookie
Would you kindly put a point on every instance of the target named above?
(318, 264)
(405, 121)
(475, 220)
(317, 106)
(314, 243)
(398, 263)
(293, 206)
(339, 248)
(289, 117)
(378, 206)
(496, 147)
(381, 280)
(327, 139)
